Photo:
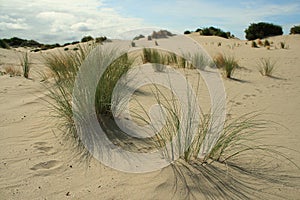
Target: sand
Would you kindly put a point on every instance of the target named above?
(36, 164)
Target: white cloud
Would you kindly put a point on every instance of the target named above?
(58, 21)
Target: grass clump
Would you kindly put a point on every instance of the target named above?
(266, 43)
(254, 45)
(12, 70)
(24, 61)
(283, 45)
(107, 84)
(266, 67)
(227, 63)
(63, 67)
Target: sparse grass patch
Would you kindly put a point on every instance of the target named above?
(24, 61)
(266, 43)
(283, 45)
(12, 70)
(227, 63)
(266, 67)
(253, 44)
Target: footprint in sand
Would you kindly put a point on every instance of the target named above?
(43, 147)
(51, 164)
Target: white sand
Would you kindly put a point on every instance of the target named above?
(34, 163)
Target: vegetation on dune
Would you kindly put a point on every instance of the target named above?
(24, 61)
(138, 37)
(187, 32)
(262, 30)
(3, 44)
(87, 38)
(12, 70)
(212, 31)
(266, 67)
(295, 30)
(227, 63)
(223, 170)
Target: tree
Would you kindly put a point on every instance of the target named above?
(87, 38)
(295, 30)
(262, 30)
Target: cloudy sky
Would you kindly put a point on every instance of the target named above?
(51, 21)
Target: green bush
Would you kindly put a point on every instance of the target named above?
(138, 37)
(253, 44)
(187, 32)
(87, 38)
(295, 30)
(3, 44)
(100, 39)
(216, 32)
(262, 30)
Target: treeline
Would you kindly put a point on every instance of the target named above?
(254, 31)
(15, 42)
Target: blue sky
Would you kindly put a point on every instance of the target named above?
(63, 21)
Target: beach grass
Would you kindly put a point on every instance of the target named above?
(266, 67)
(24, 62)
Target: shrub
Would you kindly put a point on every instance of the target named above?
(212, 31)
(4, 45)
(132, 44)
(87, 38)
(75, 42)
(266, 67)
(253, 44)
(266, 43)
(100, 39)
(187, 32)
(295, 30)
(262, 30)
(259, 42)
(138, 37)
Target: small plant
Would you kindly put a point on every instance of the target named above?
(24, 61)
(66, 49)
(283, 45)
(12, 71)
(132, 44)
(266, 43)
(227, 63)
(253, 44)
(266, 67)
(259, 42)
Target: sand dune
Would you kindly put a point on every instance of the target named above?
(36, 164)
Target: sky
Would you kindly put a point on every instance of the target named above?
(62, 21)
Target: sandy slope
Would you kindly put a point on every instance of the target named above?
(35, 164)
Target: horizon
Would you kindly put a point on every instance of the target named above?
(46, 22)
